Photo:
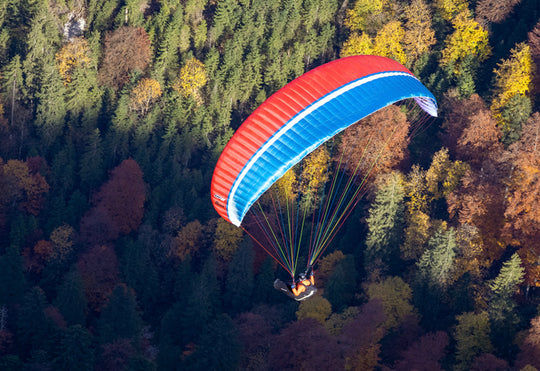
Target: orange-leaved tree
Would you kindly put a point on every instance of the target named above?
(125, 50)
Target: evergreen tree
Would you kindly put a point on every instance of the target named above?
(120, 318)
(437, 263)
(218, 347)
(70, 299)
(341, 286)
(92, 170)
(386, 221)
(140, 273)
(239, 285)
(12, 279)
(502, 307)
(75, 350)
(35, 331)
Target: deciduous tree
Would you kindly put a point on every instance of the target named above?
(98, 268)
(425, 354)
(191, 80)
(144, 95)
(317, 307)
(395, 296)
(494, 11)
(125, 50)
(472, 338)
(419, 35)
(74, 54)
(377, 143)
(513, 77)
(468, 38)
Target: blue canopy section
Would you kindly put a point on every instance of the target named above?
(316, 124)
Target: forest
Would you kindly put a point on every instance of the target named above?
(113, 114)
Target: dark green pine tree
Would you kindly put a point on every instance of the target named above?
(71, 300)
(264, 291)
(35, 331)
(203, 302)
(120, 318)
(218, 346)
(43, 41)
(341, 285)
(386, 222)
(75, 350)
(502, 307)
(240, 279)
(92, 170)
(51, 109)
(12, 279)
(140, 273)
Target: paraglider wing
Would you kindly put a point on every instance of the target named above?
(301, 116)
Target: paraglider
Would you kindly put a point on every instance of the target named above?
(306, 114)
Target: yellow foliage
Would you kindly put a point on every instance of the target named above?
(191, 80)
(443, 176)
(326, 266)
(226, 239)
(356, 18)
(188, 240)
(419, 36)
(416, 190)
(144, 95)
(450, 8)
(513, 76)
(75, 54)
(468, 38)
(314, 175)
(62, 241)
(388, 42)
(395, 295)
(315, 170)
(316, 307)
(338, 321)
(358, 44)
(417, 234)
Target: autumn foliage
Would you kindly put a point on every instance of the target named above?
(118, 205)
(126, 49)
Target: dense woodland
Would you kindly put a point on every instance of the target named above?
(113, 114)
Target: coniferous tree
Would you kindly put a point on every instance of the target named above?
(35, 330)
(240, 280)
(12, 278)
(502, 307)
(75, 350)
(341, 285)
(70, 299)
(385, 221)
(120, 318)
(218, 346)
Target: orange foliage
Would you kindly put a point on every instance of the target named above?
(22, 186)
(119, 205)
(75, 54)
(126, 49)
(43, 249)
(380, 140)
(479, 201)
(98, 268)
